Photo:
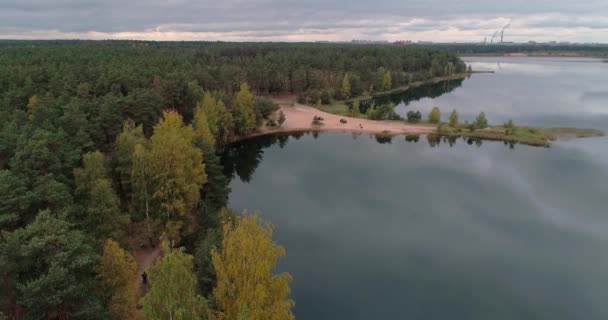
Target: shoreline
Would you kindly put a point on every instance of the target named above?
(544, 54)
(458, 76)
(299, 119)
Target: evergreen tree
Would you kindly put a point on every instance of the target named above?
(101, 211)
(281, 118)
(480, 121)
(47, 268)
(205, 273)
(356, 108)
(130, 136)
(436, 68)
(15, 200)
(454, 118)
(215, 195)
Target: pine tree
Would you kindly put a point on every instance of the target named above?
(281, 118)
(48, 266)
(481, 122)
(117, 272)
(216, 191)
(173, 288)
(356, 108)
(122, 155)
(244, 268)
(454, 119)
(101, 208)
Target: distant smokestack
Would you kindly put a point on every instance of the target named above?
(502, 32)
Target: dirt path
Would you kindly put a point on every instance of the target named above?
(144, 259)
(299, 117)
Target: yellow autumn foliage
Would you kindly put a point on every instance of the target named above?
(246, 287)
(117, 272)
(177, 166)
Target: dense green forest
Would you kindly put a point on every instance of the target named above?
(109, 151)
(592, 50)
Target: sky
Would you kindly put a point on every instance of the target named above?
(313, 20)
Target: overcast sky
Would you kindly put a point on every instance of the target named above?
(297, 20)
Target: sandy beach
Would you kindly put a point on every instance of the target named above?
(299, 118)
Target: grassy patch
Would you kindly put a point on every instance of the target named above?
(336, 107)
(340, 108)
(524, 135)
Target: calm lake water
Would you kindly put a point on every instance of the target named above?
(403, 230)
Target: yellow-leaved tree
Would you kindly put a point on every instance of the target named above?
(246, 287)
(173, 288)
(209, 105)
(245, 110)
(387, 82)
(176, 165)
(345, 89)
(202, 126)
(117, 272)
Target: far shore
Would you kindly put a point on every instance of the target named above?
(298, 118)
(539, 54)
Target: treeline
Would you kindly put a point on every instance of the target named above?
(109, 149)
(149, 74)
(596, 50)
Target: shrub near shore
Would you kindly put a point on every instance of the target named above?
(509, 132)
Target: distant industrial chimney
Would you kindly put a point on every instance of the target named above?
(502, 33)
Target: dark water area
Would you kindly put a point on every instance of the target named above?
(427, 91)
(418, 228)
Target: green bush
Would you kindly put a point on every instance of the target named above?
(435, 115)
(414, 116)
(264, 107)
(454, 118)
(481, 122)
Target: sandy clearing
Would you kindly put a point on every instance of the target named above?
(298, 117)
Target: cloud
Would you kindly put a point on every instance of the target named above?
(291, 20)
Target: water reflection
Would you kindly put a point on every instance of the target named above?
(433, 90)
(408, 231)
(242, 158)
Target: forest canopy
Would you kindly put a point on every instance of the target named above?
(110, 148)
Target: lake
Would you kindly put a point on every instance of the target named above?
(420, 230)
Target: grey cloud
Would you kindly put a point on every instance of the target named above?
(366, 17)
